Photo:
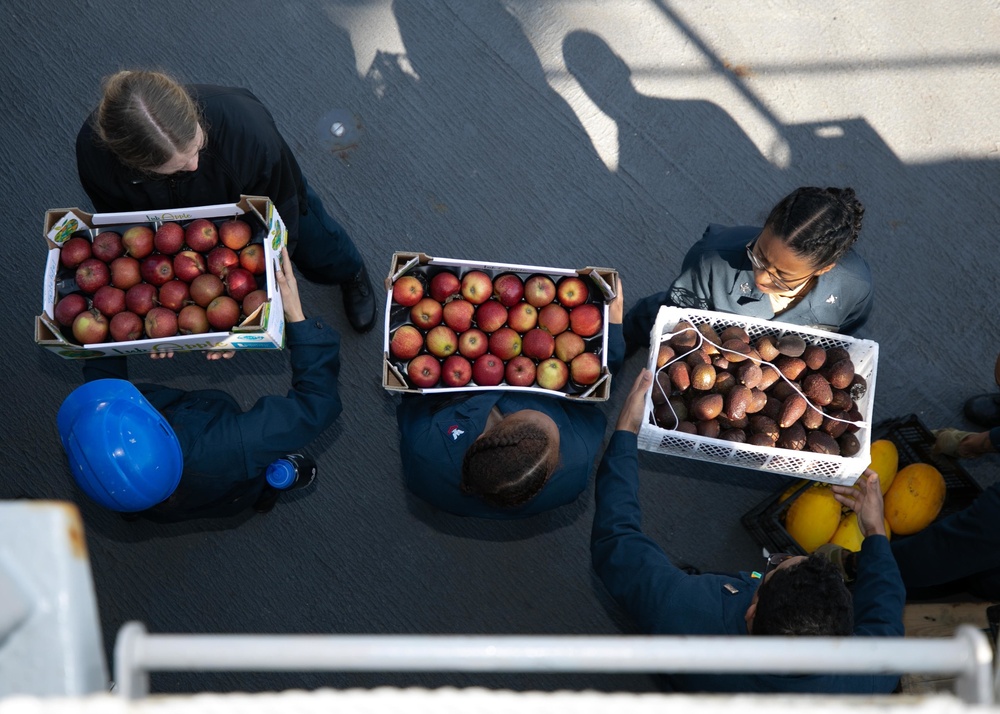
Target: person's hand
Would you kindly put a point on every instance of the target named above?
(289, 289)
(616, 310)
(209, 355)
(161, 355)
(630, 418)
(975, 445)
(865, 499)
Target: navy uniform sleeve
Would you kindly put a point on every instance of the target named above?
(879, 594)
(616, 349)
(638, 321)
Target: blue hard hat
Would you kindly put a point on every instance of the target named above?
(122, 452)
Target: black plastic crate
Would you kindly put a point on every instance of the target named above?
(914, 442)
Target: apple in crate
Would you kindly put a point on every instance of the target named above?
(92, 274)
(508, 289)
(505, 343)
(520, 372)
(522, 317)
(477, 287)
(68, 308)
(201, 235)
(141, 298)
(253, 301)
(90, 327)
(188, 265)
(240, 283)
(444, 285)
(572, 291)
(473, 343)
(585, 368)
(586, 320)
(539, 290)
(192, 320)
(424, 371)
(220, 260)
(487, 370)
(125, 272)
(107, 246)
(223, 313)
(554, 319)
(157, 269)
(138, 241)
(442, 341)
(126, 327)
(538, 344)
(74, 251)
(161, 322)
(205, 288)
(109, 300)
(174, 295)
(552, 374)
(491, 316)
(235, 234)
(406, 343)
(427, 313)
(169, 238)
(254, 259)
(458, 315)
(407, 291)
(569, 345)
(456, 371)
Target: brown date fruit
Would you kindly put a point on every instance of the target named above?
(792, 410)
(822, 443)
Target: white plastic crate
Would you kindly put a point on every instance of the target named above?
(804, 464)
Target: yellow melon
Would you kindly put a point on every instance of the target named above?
(848, 534)
(791, 490)
(915, 498)
(813, 517)
(885, 462)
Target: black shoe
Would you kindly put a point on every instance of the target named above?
(266, 500)
(984, 410)
(359, 301)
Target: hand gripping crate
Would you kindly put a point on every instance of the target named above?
(804, 464)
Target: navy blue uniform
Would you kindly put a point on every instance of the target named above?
(435, 431)
(226, 450)
(664, 600)
(717, 275)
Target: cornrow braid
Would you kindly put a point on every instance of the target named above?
(820, 224)
(508, 465)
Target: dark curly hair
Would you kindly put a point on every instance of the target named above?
(820, 224)
(808, 598)
(507, 465)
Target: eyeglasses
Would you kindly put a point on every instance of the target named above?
(758, 264)
(773, 561)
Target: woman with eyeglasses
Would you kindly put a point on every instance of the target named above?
(799, 268)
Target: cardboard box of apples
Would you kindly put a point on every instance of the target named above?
(458, 325)
(179, 280)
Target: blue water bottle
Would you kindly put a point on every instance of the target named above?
(291, 471)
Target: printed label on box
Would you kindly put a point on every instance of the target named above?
(65, 227)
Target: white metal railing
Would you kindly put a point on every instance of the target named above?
(967, 656)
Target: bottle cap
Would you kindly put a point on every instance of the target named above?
(281, 474)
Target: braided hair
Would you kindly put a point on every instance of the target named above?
(820, 224)
(508, 465)
(146, 118)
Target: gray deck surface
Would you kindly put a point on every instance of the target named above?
(549, 133)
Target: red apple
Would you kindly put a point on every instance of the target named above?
(92, 274)
(491, 316)
(508, 289)
(125, 272)
(138, 241)
(442, 341)
(109, 300)
(458, 314)
(586, 320)
(74, 251)
(520, 372)
(220, 260)
(107, 246)
(569, 345)
(505, 343)
(477, 287)
(552, 374)
(234, 234)
(169, 238)
(254, 259)
(192, 320)
(424, 371)
(487, 370)
(407, 290)
(240, 283)
(160, 323)
(157, 269)
(554, 319)
(253, 301)
(572, 291)
(141, 298)
(90, 327)
(456, 371)
(444, 285)
(427, 313)
(201, 235)
(473, 343)
(585, 368)
(205, 288)
(522, 317)
(223, 313)
(538, 344)
(188, 265)
(406, 342)
(126, 327)
(174, 294)
(68, 308)
(539, 290)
